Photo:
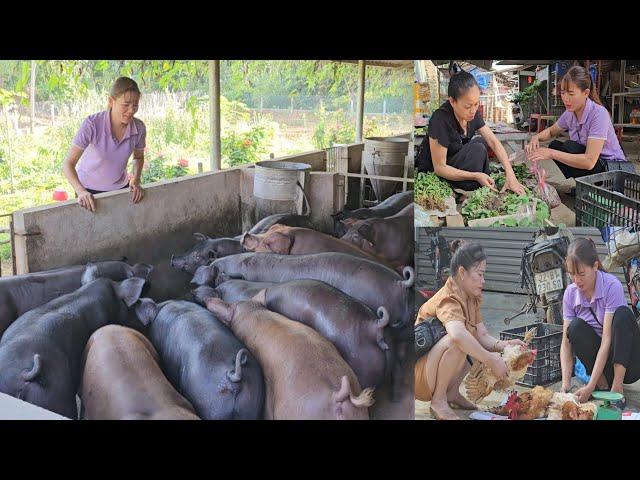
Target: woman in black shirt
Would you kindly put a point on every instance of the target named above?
(452, 152)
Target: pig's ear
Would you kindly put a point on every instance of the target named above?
(366, 232)
(90, 274)
(142, 270)
(201, 294)
(249, 241)
(146, 311)
(200, 236)
(278, 243)
(205, 275)
(129, 290)
(220, 309)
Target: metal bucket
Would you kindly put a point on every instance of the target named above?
(279, 187)
(385, 156)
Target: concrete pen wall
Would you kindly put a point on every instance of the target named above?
(163, 223)
(213, 203)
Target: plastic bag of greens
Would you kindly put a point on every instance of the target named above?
(546, 192)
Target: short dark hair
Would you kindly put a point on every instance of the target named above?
(460, 83)
(465, 255)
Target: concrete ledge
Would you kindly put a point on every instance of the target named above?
(316, 158)
(14, 409)
(162, 224)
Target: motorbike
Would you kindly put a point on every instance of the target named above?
(543, 273)
(439, 255)
(518, 115)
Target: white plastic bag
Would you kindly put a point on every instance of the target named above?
(546, 192)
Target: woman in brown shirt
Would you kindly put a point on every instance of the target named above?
(439, 373)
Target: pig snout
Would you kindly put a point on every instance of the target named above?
(179, 263)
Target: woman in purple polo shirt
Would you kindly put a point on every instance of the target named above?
(593, 146)
(103, 146)
(599, 327)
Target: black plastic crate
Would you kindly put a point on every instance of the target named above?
(609, 198)
(546, 367)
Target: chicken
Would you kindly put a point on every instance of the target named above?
(527, 405)
(481, 381)
(565, 406)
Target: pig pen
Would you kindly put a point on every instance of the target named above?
(216, 204)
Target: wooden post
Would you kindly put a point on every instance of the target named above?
(214, 113)
(360, 108)
(13, 247)
(32, 94)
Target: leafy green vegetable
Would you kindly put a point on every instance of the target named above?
(484, 203)
(521, 171)
(542, 212)
(430, 191)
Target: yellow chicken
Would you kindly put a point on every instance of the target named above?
(481, 381)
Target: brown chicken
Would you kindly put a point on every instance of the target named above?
(526, 405)
(565, 406)
(572, 411)
(481, 381)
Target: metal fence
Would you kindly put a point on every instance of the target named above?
(391, 105)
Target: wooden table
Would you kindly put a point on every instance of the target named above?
(541, 118)
(511, 138)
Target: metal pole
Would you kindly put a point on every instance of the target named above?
(548, 89)
(214, 113)
(360, 107)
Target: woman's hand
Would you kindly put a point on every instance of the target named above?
(565, 388)
(485, 180)
(542, 153)
(86, 200)
(584, 393)
(533, 145)
(497, 366)
(512, 183)
(137, 191)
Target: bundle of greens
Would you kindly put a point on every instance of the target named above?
(430, 191)
(485, 203)
(482, 203)
(521, 171)
(542, 214)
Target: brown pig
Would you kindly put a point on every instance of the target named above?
(305, 376)
(122, 380)
(285, 240)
